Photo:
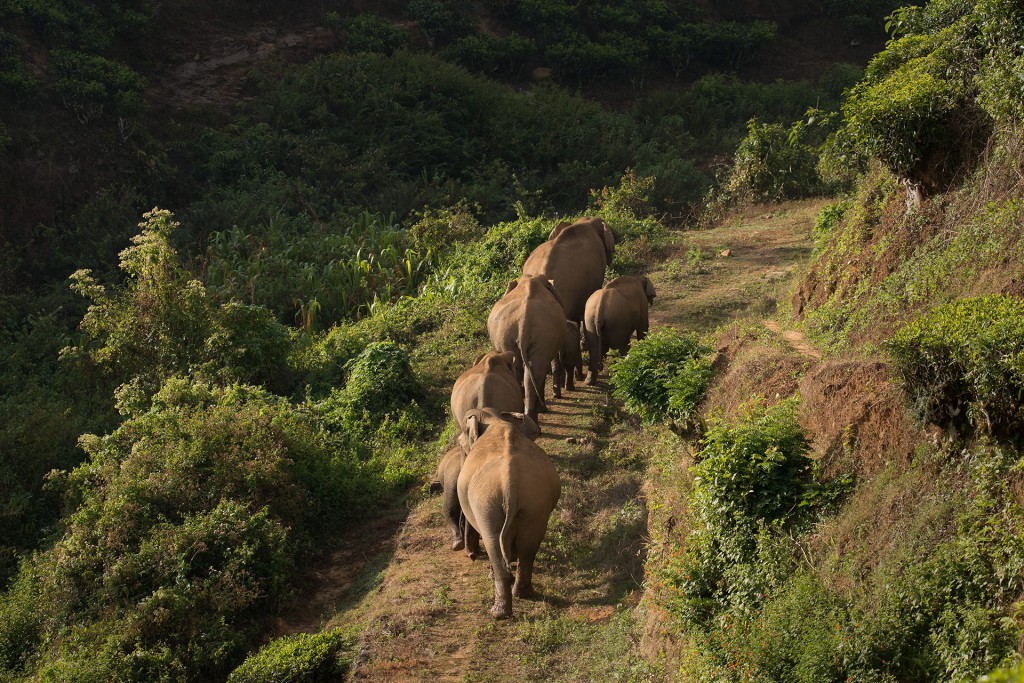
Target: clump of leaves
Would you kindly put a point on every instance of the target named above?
(663, 378)
(963, 364)
(300, 658)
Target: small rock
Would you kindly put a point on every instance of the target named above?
(196, 57)
(571, 439)
(541, 73)
(725, 253)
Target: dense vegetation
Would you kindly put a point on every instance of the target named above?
(201, 412)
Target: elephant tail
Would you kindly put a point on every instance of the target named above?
(507, 536)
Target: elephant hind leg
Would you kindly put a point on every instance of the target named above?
(558, 377)
(527, 544)
(533, 385)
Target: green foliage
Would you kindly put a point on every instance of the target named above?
(828, 220)
(379, 400)
(663, 378)
(301, 658)
(442, 21)
(162, 322)
(90, 83)
(395, 134)
(1001, 27)
(1010, 674)
(773, 163)
(437, 230)
(368, 32)
(505, 55)
(749, 479)
(964, 363)
(313, 275)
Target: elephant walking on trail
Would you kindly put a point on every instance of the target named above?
(612, 315)
(529, 321)
(446, 481)
(574, 258)
(491, 382)
(508, 488)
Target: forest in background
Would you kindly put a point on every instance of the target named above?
(336, 232)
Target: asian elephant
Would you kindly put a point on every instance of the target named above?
(446, 481)
(491, 382)
(529, 321)
(508, 488)
(574, 258)
(612, 315)
(571, 357)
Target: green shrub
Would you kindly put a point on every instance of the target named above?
(368, 32)
(773, 163)
(963, 364)
(663, 378)
(89, 84)
(1009, 674)
(829, 219)
(161, 322)
(381, 397)
(483, 52)
(301, 658)
(442, 21)
(748, 482)
(438, 230)
(321, 361)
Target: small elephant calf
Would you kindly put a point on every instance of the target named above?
(570, 358)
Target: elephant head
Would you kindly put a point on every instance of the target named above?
(496, 360)
(649, 290)
(478, 419)
(600, 228)
(548, 284)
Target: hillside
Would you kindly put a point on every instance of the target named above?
(218, 423)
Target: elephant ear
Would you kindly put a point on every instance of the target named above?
(558, 230)
(475, 426)
(649, 290)
(511, 285)
(479, 358)
(524, 424)
(608, 237)
(506, 358)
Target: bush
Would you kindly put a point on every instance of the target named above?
(368, 32)
(380, 398)
(483, 52)
(963, 364)
(829, 219)
(772, 164)
(89, 84)
(161, 322)
(748, 481)
(663, 378)
(301, 658)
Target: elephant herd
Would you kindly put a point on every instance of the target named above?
(498, 485)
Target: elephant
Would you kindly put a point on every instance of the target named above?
(612, 315)
(574, 258)
(570, 366)
(446, 481)
(529, 321)
(491, 382)
(508, 488)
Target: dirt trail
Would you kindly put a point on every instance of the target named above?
(425, 608)
(429, 620)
